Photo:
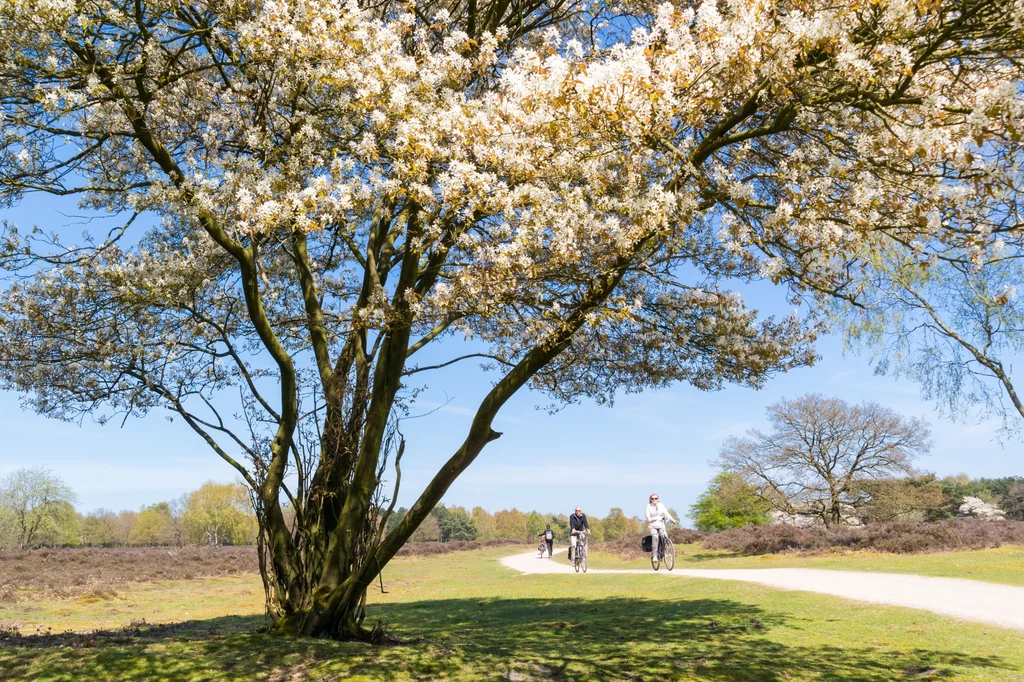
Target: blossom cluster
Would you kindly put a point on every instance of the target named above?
(540, 188)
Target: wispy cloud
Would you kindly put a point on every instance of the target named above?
(843, 375)
(734, 429)
(986, 428)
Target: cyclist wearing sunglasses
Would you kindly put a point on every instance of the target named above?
(657, 516)
(577, 524)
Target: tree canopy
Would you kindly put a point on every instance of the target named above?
(729, 502)
(454, 524)
(220, 514)
(36, 507)
(949, 318)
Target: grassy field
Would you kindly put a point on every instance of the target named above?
(464, 617)
(1003, 565)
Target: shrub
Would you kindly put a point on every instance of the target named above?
(898, 537)
(729, 502)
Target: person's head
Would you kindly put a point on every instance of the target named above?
(548, 527)
(579, 511)
(654, 498)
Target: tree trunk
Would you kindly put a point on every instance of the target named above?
(320, 612)
(310, 592)
(835, 514)
(316, 575)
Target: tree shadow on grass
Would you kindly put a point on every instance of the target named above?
(634, 639)
(597, 640)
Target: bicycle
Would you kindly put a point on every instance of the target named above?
(579, 560)
(542, 549)
(666, 553)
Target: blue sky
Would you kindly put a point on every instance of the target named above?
(598, 457)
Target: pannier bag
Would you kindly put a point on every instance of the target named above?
(645, 543)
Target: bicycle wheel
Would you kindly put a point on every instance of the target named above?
(670, 554)
(584, 562)
(576, 561)
(655, 561)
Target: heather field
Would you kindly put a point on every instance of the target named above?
(196, 615)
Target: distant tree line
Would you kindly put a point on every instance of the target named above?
(451, 523)
(37, 510)
(1007, 493)
(730, 502)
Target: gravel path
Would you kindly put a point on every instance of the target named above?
(968, 599)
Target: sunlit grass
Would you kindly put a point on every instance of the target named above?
(169, 601)
(465, 617)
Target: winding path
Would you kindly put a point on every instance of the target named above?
(968, 599)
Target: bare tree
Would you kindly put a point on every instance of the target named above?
(820, 450)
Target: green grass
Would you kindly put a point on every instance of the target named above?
(465, 617)
(1003, 565)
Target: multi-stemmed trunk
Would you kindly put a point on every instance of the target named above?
(317, 568)
(306, 596)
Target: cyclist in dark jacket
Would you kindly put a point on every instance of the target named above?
(577, 522)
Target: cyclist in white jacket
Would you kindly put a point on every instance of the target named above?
(657, 516)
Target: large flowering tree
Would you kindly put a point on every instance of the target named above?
(570, 185)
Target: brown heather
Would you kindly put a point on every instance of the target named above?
(435, 548)
(72, 572)
(897, 537)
